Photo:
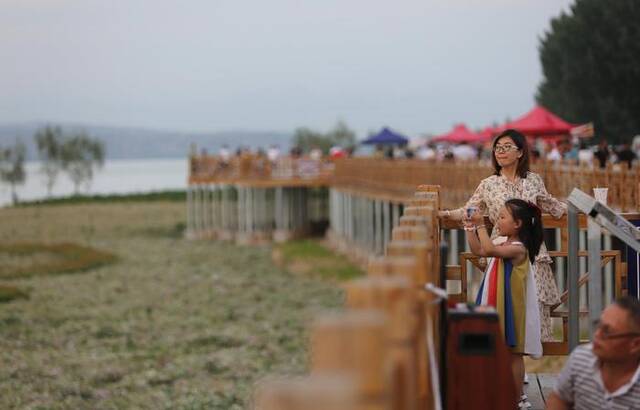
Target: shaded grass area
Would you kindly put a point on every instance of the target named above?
(19, 260)
(9, 293)
(173, 325)
(309, 257)
(177, 196)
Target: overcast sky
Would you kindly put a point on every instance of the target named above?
(211, 65)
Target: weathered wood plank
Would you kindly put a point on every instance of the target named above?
(532, 390)
(546, 381)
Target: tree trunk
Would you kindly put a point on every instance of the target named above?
(14, 195)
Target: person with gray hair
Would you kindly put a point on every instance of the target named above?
(604, 374)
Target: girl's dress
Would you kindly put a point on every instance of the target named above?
(511, 290)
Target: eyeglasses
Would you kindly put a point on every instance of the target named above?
(606, 333)
(505, 148)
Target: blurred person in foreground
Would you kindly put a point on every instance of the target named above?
(513, 179)
(604, 374)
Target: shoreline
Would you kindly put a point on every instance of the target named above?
(150, 196)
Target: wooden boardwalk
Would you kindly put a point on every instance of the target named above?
(538, 389)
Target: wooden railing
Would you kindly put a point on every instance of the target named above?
(396, 179)
(383, 351)
(250, 168)
(385, 344)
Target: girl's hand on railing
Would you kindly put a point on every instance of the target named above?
(467, 225)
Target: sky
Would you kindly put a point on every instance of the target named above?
(418, 66)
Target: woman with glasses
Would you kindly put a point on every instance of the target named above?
(513, 179)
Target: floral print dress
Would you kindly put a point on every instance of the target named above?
(490, 197)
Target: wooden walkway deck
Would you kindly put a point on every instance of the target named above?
(538, 389)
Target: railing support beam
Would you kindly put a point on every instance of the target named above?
(572, 279)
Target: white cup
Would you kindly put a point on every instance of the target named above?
(601, 194)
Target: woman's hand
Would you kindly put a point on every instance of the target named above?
(477, 218)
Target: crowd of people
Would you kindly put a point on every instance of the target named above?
(563, 150)
(274, 153)
(566, 151)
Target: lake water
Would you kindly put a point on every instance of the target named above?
(115, 177)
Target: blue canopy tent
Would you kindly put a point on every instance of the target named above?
(386, 137)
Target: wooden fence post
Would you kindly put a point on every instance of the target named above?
(354, 342)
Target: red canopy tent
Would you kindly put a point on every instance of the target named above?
(489, 132)
(459, 133)
(540, 122)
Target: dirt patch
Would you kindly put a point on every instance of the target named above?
(21, 261)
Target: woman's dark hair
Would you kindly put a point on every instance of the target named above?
(530, 232)
(521, 143)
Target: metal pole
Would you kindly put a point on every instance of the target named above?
(572, 279)
(396, 215)
(386, 224)
(189, 210)
(594, 246)
(379, 240)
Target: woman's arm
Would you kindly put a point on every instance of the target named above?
(476, 201)
(546, 201)
(452, 214)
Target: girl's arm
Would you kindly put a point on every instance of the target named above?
(474, 242)
(501, 251)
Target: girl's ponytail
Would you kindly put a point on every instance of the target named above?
(530, 232)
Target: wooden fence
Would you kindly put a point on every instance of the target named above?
(395, 180)
(384, 350)
(385, 345)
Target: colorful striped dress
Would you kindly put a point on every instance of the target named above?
(511, 290)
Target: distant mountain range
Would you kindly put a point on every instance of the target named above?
(125, 142)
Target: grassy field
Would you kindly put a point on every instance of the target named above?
(172, 324)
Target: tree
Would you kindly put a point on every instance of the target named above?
(341, 135)
(591, 66)
(12, 167)
(48, 141)
(79, 156)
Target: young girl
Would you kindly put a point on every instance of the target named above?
(508, 284)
